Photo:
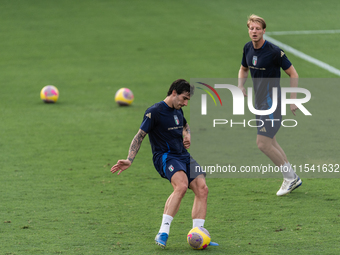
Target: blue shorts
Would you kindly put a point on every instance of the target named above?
(269, 125)
(169, 164)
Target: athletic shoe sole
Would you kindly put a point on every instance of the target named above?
(161, 245)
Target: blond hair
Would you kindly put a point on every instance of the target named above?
(256, 19)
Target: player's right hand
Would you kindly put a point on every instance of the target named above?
(121, 165)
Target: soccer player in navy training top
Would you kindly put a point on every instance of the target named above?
(169, 136)
(264, 61)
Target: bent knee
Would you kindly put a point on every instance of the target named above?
(264, 147)
(203, 191)
(181, 188)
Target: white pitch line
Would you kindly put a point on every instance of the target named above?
(304, 32)
(302, 55)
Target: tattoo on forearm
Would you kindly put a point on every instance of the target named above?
(135, 145)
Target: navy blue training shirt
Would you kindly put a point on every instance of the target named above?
(164, 126)
(264, 63)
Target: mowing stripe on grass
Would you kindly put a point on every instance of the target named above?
(304, 32)
(303, 55)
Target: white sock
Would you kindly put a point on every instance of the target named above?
(198, 223)
(288, 172)
(166, 222)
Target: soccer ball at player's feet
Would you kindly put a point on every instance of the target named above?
(198, 238)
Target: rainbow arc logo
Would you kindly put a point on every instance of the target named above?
(204, 97)
(209, 93)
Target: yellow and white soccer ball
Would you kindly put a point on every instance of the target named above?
(124, 97)
(198, 238)
(49, 94)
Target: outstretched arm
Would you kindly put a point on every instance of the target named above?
(186, 136)
(124, 164)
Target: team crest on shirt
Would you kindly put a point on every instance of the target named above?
(254, 60)
(176, 119)
(171, 168)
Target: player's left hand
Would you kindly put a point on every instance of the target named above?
(186, 141)
(293, 108)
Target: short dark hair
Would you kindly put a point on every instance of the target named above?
(181, 86)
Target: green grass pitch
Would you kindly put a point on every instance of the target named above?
(58, 195)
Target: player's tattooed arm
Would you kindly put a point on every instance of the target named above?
(135, 144)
